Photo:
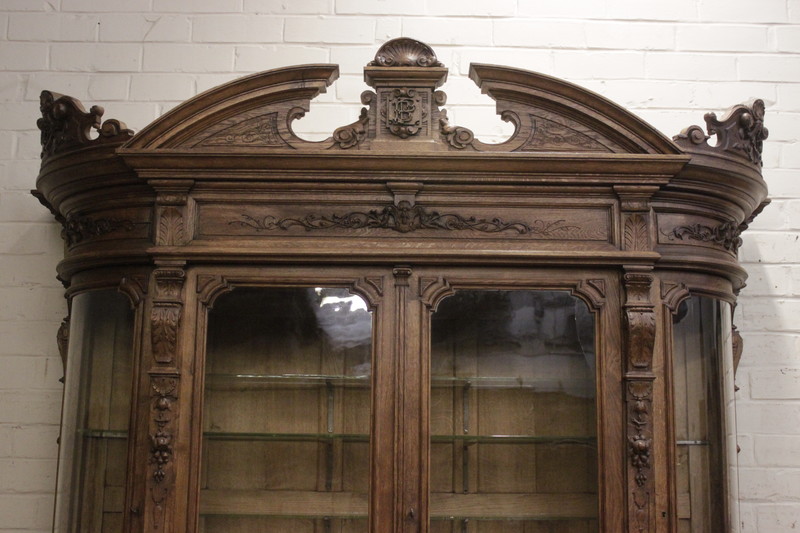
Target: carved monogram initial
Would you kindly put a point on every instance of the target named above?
(405, 113)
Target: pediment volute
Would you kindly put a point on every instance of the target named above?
(404, 111)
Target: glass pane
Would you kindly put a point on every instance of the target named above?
(513, 413)
(287, 412)
(94, 431)
(704, 417)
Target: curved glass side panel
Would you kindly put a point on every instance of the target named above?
(95, 417)
(705, 423)
(513, 415)
(286, 415)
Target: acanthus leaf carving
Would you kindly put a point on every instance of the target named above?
(740, 132)
(66, 125)
(404, 217)
(636, 233)
(640, 318)
(641, 336)
(164, 321)
(171, 227)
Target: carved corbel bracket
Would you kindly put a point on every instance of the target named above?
(172, 212)
(165, 315)
(740, 132)
(641, 321)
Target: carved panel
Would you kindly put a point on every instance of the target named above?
(640, 318)
(552, 132)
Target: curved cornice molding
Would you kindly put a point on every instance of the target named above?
(592, 111)
(295, 86)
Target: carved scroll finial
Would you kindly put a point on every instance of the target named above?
(405, 52)
(66, 124)
(741, 132)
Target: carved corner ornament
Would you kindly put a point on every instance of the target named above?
(65, 125)
(740, 132)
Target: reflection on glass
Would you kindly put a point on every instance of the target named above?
(704, 417)
(513, 413)
(286, 412)
(95, 418)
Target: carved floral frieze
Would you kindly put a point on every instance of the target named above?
(79, 229)
(726, 235)
(405, 217)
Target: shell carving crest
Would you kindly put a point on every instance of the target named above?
(405, 52)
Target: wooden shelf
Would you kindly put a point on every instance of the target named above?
(444, 506)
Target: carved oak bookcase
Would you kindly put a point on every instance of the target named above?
(400, 328)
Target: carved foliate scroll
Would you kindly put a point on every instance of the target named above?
(66, 125)
(725, 235)
(740, 132)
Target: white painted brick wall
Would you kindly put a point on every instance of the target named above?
(670, 62)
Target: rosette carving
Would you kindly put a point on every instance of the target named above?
(65, 124)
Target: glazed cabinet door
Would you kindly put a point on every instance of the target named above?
(410, 400)
(515, 416)
(286, 411)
